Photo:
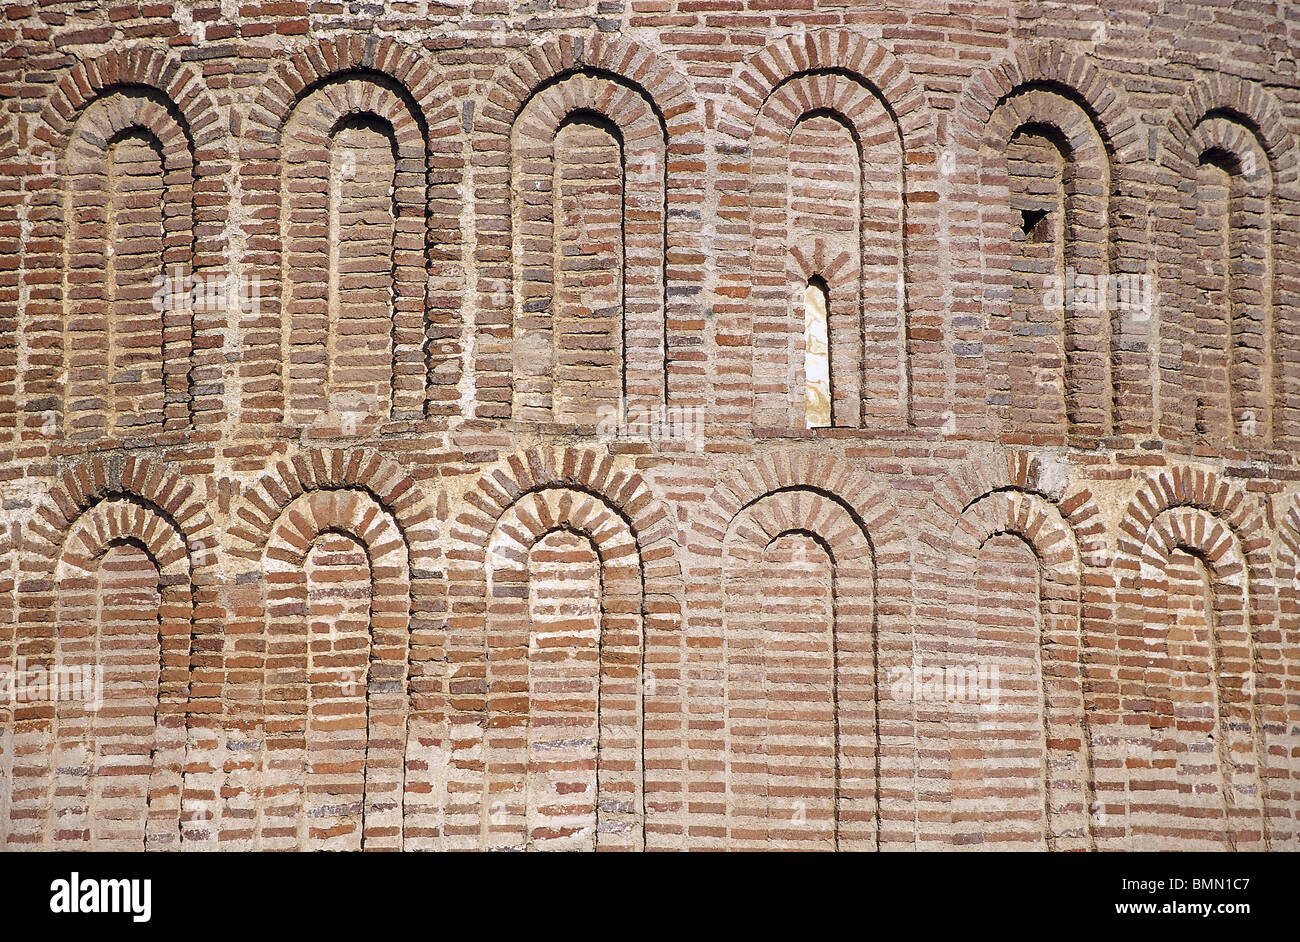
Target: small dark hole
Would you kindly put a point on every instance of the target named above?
(1030, 218)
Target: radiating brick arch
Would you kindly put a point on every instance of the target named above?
(182, 86)
(377, 823)
(334, 469)
(815, 471)
(1065, 765)
(99, 504)
(565, 327)
(512, 507)
(1253, 102)
(1206, 490)
(1289, 531)
(1033, 500)
(610, 810)
(827, 51)
(1195, 516)
(85, 483)
(1032, 131)
(367, 496)
(857, 83)
(168, 103)
(353, 358)
(862, 267)
(111, 524)
(1048, 65)
(826, 697)
(1235, 127)
(1070, 103)
(1045, 483)
(333, 80)
(838, 508)
(128, 360)
(635, 88)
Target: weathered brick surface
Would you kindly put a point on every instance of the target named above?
(312, 316)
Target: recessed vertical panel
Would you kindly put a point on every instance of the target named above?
(799, 679)
(87, 297)
(564, 675)
(353, 279)
(362, 222)
(588, 184)
(825, 199)
(114, 291)
(995, 699)
(1232, 357)
(136, 235)
(1208, 354)
(1055, 355)
(1189, 808)
(1209, 795)
(337, 675)
(587, 318)
(1040, 263)
(103, 753)
(824, 204)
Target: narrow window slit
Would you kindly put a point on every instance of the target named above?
(816, 357)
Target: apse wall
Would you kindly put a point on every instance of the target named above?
(649, 426)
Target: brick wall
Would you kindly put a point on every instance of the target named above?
(404, 404)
